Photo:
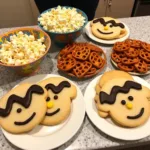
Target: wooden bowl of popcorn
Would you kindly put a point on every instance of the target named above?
(23, 49)
(63, 24)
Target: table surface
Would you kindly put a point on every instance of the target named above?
(88, 137)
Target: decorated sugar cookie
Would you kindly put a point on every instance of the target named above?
(125, 101)
(113, 74)
(60, 95)
(23, 108)
(107, 28)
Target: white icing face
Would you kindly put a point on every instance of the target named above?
(107, 28)
(60, 95)
(126, 101)
(23, 108)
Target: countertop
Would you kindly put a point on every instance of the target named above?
(88, 137)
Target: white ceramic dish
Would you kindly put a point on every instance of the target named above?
(45, 138)
(91, 36)
(132, 73)
(106, 125)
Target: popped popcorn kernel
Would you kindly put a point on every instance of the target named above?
(21, 49)
(62, 20)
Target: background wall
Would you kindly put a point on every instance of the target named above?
(14, 13)
(17, 13)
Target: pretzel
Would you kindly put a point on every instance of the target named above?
(91, 71)
(79, 46)
(148, 65)
(129, 61)
(81, 54)
(82, 68)
(96, 60)
(132, 52)
(134, 43)
(146, 46)
(127, 68)
(94, 48)
(141, 66)
(67, 50)
(145, 55)
(66, 63)
(75, 59)
(121, 46)
(116, 57)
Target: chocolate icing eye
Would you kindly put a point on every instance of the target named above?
(48, 99)
(19, 110)
(123, 102)
(130, 98)
(55, 97)
(111, 25)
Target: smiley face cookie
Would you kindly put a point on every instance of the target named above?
(125, 101)
(60, 95)
(107, 28)
(23, 108)
(113, 74)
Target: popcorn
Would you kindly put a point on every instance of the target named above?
(62, 20)
(21, 49)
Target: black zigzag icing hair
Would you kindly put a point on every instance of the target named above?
(111, 98)
(57, 89)
(104, 23)
(25, 101)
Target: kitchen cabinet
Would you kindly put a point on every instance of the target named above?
(115, 8)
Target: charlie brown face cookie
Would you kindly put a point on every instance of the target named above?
(113, 74)
(107, 28)
(60, 94)
(23, 108)
(125, 101)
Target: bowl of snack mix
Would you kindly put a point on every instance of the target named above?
(63, 23)
(23, 49)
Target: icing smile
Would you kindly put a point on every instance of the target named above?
(137, 116)
(104, 32)
(26, 121)
(53, 113)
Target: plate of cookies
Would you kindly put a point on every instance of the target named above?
(118, 104)
(42, 112)
(81, 60)
(107, 30)
(132, 56)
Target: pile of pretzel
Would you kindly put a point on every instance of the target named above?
(81, 59)
(132, 56)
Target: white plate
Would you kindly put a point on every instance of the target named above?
(44, 138)
(90, 35)
(106, 125)
(132, 73)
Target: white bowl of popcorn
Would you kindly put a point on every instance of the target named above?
(23, 49)
(64, 24)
